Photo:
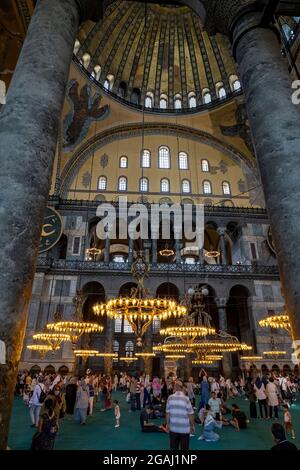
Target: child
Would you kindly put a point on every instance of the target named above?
(209, 426)
(287, 420)
(117, 413)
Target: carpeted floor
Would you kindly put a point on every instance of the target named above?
(100, 434)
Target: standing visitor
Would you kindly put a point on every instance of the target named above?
(287, 421)
(116, 382)
(47, 429)
(251, 395)
(273, 402)
(138, 389)
(91, 390)
(179, 418)
(71, 389)
(261, 396)
(82, 402)
(36, 401)
(190, 388)
(204, 393)
(215, 404)
(132, 391)
(117, 413)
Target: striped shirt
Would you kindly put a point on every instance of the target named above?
(179, 408)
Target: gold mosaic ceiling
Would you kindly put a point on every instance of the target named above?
(161, 50)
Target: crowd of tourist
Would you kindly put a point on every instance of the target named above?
(52, 397)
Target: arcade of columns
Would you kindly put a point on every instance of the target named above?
(28, 134)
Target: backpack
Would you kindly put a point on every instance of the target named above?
(42, 396)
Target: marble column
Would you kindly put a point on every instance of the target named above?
(108, 346)
(130, 251)
(222, 316)
(148, 348)
(275, 127)
(154, 250)
(107, 250)
(29, 124)
(177, 250)
(221, 231)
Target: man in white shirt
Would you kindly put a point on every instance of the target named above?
(215, 406)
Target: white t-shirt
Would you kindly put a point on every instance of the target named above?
(215, 405)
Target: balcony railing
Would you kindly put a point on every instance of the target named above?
(78, 266)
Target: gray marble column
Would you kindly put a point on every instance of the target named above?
(108, 346)
(222, 316)
(275, 124)
(221, 231)
(177, 250)
(28, 134)
(154, 250)
(130, 251)
(107, 250)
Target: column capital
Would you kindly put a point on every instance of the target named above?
(92, 9)
(221, 230)
(221, 302)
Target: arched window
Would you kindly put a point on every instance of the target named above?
(116, 346)
(186, 186)
(226, 188)
(106, 84)
(129, 349)
(127, 327)
(192, 102)
(221, 92)
(102, 183)
(177, 102)
(156, 325)
(118, 325)
(97, 71)
(206, 96)
(122, 185)
(164, 185)
(122, 89)
(86, 59)
(163, 157)
(236, 85)
(123, 162)
(76, 47)
(183, 161)
(2, 92)
(205, 166)
(163, 102)
(207, 187)
(135, 96)
(149, 100)
(146, 159)
(144, 185)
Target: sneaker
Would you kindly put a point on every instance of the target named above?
(201, 438)
(192, 435)
(117, 426)
(293, 437)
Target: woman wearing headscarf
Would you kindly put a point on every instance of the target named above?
(70, 396)
(261, 396)
(205, 395)
(82, 402)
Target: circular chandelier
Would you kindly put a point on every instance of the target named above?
(195, 333)
(74, 327)
(53, 339)
(277, 322)
(140, 309)
(42, 349)
(145, 355)
(85, 352)
(166, 252)
(212, 254)
(175, 356)
(203, 362)
(251, 358)
(128, 359)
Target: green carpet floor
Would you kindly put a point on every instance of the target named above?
(100, 434)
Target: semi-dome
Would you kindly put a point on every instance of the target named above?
(158, 56)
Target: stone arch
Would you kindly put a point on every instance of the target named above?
(97, 142)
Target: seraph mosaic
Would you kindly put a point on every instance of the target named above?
(85, 109)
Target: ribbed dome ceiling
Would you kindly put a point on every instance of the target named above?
(163, 52)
